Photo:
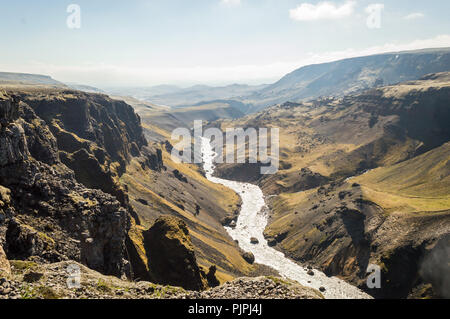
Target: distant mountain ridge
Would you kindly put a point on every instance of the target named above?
(31, 79)
(182, 97)
(84, 88)
(310, 82)
(336, 78)
(351, 75)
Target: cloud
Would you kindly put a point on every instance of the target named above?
(413, 16)
(231, 3)
(322, 11)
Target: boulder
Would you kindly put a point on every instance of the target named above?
(32, 276)
(249, 257)
(272, 242)
(180, 176)
(254, 241)
(228, 220)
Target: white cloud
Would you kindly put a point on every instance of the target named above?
(322, 11)
(413, 16)
(231, 3)
(441, 41)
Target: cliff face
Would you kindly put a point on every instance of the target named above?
(96, 136)
(45, 214)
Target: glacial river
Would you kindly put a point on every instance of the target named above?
(253, 220)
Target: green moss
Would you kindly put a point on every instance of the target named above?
(43, 237)
(48, 240)
(278, 280)
(22, 266)
(425, 292)
(165, 291)
(47, 293)
(323, 239)
(103, 286)
(41, 292)
(27, 292)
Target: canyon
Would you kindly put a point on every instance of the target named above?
(88, 179)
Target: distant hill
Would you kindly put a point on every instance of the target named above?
(143, 92)
(167, 120)
(350, 75)
(184, 97)
(28, 79)
(84, 88)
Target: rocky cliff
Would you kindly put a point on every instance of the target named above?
(96, 136)
(45, 214)
(62, 154)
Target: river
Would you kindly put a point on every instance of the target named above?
(253, 220)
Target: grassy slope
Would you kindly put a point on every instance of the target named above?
(420, 184)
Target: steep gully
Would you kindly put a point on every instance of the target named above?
(252, 221)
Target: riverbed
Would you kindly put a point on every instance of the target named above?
(252, 222)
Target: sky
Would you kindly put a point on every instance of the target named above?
(215, 42)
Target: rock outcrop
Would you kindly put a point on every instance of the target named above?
(249, 257)
(171, 254)
(96, 136)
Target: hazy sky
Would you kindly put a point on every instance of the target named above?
(149, 42)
